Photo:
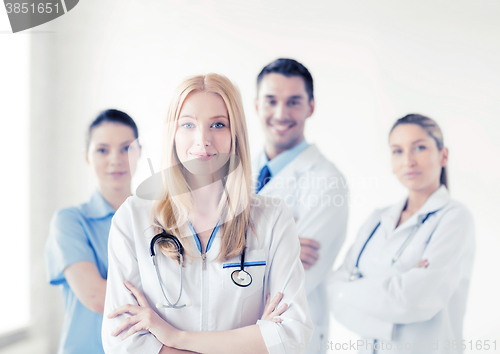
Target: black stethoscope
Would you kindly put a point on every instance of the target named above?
(239, 277)
(356, 274)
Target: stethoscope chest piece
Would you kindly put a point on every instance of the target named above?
(355, 275)
(241, 278)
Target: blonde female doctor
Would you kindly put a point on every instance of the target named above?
(191, 271)
(403, 286)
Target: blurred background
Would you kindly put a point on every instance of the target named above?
(372, 62)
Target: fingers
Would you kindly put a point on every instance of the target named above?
(424, 263)
(141, 300)
(275, 301)
(308, 256)
(135, 328)
(125, 323)
(132, 309)
(268, 309)
(276, 313)
(309, 243)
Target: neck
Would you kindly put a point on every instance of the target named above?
(272, 150)
(206, 199)
(417, 198)
(115, 196)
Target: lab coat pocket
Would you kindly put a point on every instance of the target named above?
(249, 284)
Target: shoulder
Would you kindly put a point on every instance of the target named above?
(313, 165)
(268, 205)
(457, 213)
(134, 206)
(271, 219)
(68, 216)
(266, 210)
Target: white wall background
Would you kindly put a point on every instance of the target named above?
(372, 63)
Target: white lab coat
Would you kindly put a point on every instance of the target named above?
(217, 303)
(401, 305)
(316, 194)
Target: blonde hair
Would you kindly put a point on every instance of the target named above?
(172, 212)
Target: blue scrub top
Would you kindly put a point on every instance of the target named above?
(79, 234)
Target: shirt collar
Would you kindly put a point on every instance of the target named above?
(97, 207)
(436, 201)
(279, 162)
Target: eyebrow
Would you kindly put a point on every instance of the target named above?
(124, 143)
(294, 97)
(193, 117)
(413, 143)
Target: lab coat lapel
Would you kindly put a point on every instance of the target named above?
(299, 165)
(436, 201)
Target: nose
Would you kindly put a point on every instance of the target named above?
(203, 136)
(409, 159)
(279, 111)
(115, 157)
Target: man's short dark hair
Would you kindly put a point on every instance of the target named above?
(288, 68)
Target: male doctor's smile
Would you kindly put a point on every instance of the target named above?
(284, 105)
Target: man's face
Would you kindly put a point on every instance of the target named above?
(283, 107)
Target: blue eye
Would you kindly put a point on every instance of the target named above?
(101, 151)
(218, 125)
(420, 147)
(188, 125)
(397, 151)
(126, 148)
(271, 102)
(293, 103)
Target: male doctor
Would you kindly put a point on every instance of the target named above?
(295, 171)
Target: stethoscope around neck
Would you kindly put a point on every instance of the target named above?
(239, 277)
(356, 274)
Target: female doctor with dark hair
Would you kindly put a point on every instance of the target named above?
(76, 252)
(191, 270)
(404, 283)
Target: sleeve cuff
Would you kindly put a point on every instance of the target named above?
(271, 337)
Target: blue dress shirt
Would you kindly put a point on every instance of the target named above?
(279, 162)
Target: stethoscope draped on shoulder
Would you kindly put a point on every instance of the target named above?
(239, 277)
(356, 274)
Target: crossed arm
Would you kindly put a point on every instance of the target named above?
(246, 340)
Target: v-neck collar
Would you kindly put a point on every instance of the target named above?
(197, 237)
(436, 201)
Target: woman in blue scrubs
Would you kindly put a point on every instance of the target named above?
(76, 252)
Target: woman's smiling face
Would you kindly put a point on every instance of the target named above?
(203, 135)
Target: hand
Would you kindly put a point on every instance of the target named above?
(424, 263)
(270, 313)
(309, 252)
(143, 318)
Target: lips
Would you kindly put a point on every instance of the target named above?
(203, 156)
(413, 174)
(282, 127)
(117, 174)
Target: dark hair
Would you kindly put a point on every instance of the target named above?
(431, 127)
(112, 116)
(288, 68)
